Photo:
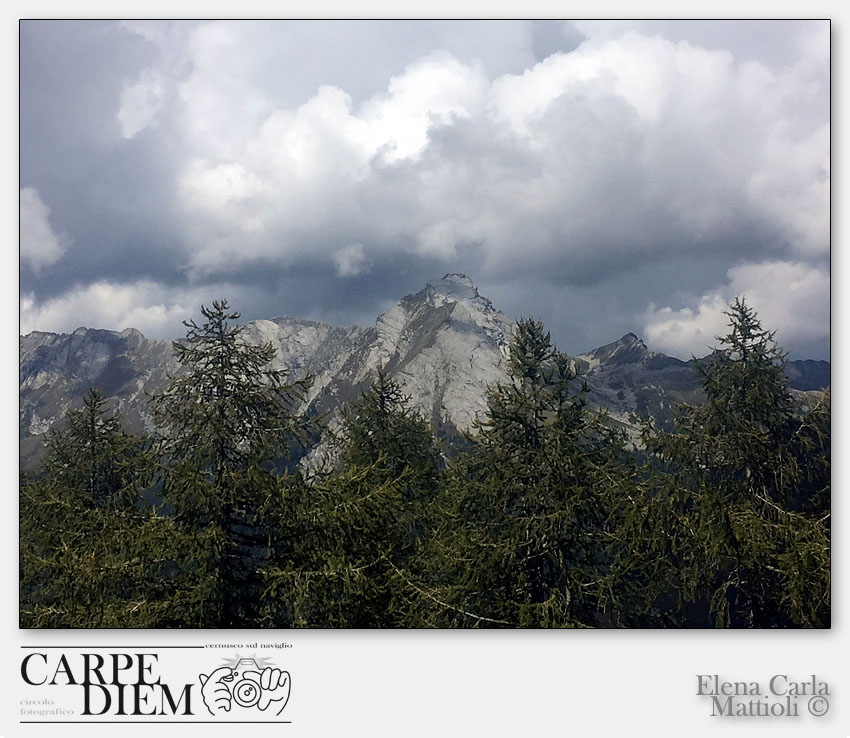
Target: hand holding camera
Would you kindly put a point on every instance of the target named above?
(245, 685)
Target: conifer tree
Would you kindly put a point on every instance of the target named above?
(228, 406)
(92, 453)
(335, 571)
(227, 417)
(357, 526)
(526, 515)
(380, 429)
(92, 554)
(754, 487)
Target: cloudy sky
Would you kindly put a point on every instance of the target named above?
(603, 176)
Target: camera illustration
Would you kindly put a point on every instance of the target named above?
(246, 688)
(245, 684)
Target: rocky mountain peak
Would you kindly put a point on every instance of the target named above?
(457, 286)
(453, 300)
(626, 350)
(453, 288)
(445, 344)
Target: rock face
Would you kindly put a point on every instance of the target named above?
(446, 344)
(627, 378)
(56, 370)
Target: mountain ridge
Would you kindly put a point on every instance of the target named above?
(445, 344)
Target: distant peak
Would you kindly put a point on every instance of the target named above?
(626, 350)
(452, 288)
(457, 277)
(456, 285)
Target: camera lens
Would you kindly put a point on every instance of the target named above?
(246, 693)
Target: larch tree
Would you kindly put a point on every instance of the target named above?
(525, 518)
(752, 473)
(93, 555)
(227, 418)
(358, 524)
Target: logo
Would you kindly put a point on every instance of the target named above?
(184, 683)
(110, 684)
(244, 685)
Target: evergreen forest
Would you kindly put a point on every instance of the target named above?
(544, 516)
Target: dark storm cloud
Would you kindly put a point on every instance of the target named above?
(72, 73)
(606, 177)
(115, 197)
(121, 214)
(581, 316)
(111, 196)
(550, 38)
(313, 291)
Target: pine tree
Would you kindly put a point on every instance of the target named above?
(754, 487)
(227, 418)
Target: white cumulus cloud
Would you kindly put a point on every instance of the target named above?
(351, 260)
(540, 165)
(40, 245)
(144, 305)
(791, 298)
(626, 144)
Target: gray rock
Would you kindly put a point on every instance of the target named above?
(445, 344)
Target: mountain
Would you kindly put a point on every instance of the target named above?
(627, 378)
(446, 344)
(808, 374)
